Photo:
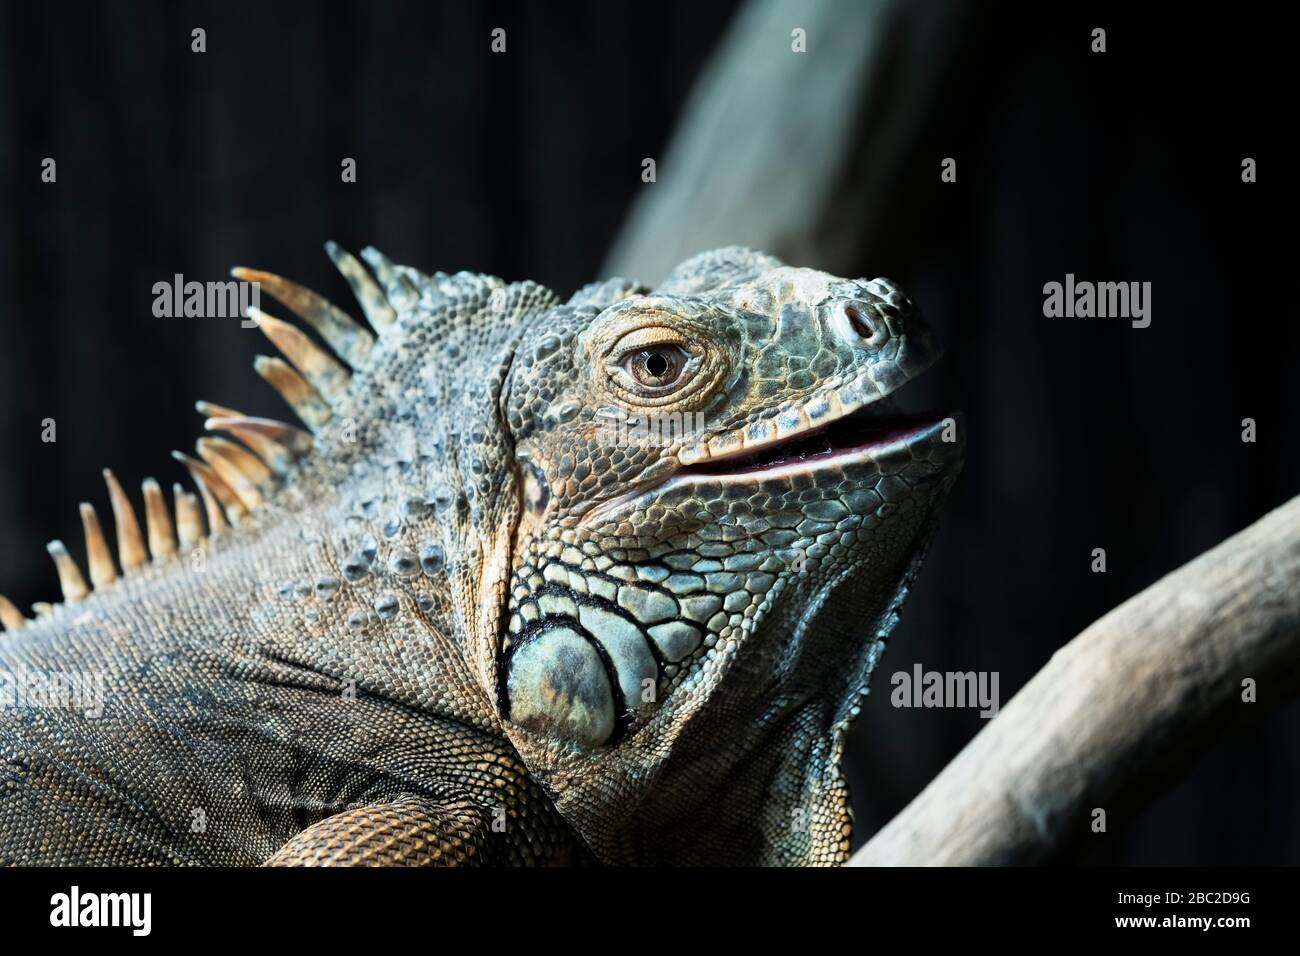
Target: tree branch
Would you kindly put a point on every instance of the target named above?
(1117, 709)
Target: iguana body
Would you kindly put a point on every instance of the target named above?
(486, 619)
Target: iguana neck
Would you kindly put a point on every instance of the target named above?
(352, 579)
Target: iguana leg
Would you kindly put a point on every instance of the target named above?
(412, 831)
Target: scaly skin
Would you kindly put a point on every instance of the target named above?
(480, 622)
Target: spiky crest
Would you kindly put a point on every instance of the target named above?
(236, 477)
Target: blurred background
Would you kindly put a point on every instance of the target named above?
(1115, 166)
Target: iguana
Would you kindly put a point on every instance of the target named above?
(546, 582)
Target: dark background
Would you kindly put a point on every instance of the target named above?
(1082, 433)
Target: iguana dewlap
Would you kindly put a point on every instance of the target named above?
(546, 582)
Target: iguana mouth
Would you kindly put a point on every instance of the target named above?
(868, 433)
(864, 432)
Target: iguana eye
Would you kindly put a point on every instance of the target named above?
(651, 361)
(656, 367)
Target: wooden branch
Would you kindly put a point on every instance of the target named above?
(1116, 710)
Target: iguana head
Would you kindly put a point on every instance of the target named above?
(720, 515)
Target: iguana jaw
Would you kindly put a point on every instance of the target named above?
(866, 433)
(809, 439)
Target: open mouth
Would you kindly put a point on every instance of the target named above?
(866, 431)
(869, 433)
